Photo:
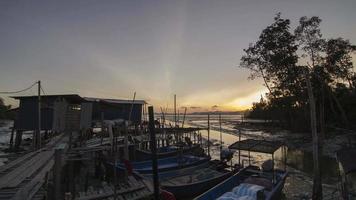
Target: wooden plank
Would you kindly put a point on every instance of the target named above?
(17, 161)
(97, 196)
(13, 178)
(31, 188)
(29, 171)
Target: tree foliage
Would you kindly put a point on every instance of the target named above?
(281, 56)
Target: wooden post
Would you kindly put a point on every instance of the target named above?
(317, 187)
(18, 139)
(132, 105)
(102, 128)
(249, 157)
(175, 112)
(185, 112)
(208, 134)
(239, 147)
(220, 132)
(274, 175)
(285, 158)
(126, 142)
(12, 138)
(154, 152)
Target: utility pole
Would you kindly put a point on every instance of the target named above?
(38, 135)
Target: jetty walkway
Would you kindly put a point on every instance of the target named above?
(24, 177)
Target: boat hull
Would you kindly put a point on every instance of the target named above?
(166, 164)
(194, 189)
(142, 155)
(237, 179)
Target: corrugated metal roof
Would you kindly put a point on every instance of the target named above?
(115, 101)
(71, 97)
(91, 99)
(262, 146)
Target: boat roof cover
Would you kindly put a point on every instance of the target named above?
(262, 146)
(346, 158)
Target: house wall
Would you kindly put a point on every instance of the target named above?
(59, 114)
(27, 118)
(86, 115)
(116, 111)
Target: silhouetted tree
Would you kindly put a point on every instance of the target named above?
(328, 65)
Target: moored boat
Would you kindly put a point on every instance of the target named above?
(192, 181)
(251, 182)
(248, 184)
(166, 164)
(165, 152)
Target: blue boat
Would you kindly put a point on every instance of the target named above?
(166, 164)
(251, 182)
(243, 182)
(189, 182)
(165, 152)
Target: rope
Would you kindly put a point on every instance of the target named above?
(14, 92)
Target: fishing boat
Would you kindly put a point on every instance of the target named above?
(166, 164)
(251, 182)
(164, 152)
(192, 181)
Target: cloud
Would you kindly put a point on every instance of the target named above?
(194, 107)
(215, 107)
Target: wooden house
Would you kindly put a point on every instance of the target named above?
(58, 113)
(111, 109)
(70, 112)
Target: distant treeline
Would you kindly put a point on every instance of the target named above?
(219, 112)
(210, 113)
(285, 59)
(5, 111)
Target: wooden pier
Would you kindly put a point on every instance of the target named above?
(24, 177)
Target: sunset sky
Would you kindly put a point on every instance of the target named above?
(110, 49)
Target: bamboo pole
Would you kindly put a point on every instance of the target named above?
(239, 147)
(132, 105)
(175, 112)
(220, 132)
(185, 112)
(208, 134)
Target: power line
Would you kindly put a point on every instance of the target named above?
(14, 92)
(43, 90)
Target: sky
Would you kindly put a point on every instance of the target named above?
(156, 48)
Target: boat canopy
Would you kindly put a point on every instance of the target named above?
(262, 146)
(346, 158)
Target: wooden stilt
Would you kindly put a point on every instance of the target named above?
(154, 153)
